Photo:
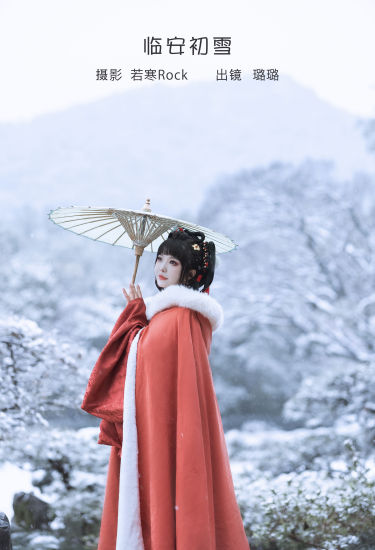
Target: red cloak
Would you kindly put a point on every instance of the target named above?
(186, 493)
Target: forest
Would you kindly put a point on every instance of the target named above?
(292, 365)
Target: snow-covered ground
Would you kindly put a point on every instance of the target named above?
(13, 480)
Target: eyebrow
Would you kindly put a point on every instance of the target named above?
(170, 256)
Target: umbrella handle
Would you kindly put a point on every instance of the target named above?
(138, 253)
(135, 268)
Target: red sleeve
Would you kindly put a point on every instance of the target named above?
(104, 396)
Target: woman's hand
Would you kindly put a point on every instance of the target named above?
(134, 292)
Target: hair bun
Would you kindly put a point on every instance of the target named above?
(183, 233)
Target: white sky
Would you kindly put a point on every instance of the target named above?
(50, 49)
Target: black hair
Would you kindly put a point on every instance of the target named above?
(190, 248)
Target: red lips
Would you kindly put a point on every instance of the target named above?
(162, 277)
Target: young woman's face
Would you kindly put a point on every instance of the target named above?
(167, 270)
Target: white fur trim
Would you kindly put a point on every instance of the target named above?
(129, 528)
(179, 295)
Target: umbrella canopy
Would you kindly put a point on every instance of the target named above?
(136, 229)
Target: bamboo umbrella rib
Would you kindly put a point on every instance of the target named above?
(128, 227)
(120, 238)
(150, 230)
(92, 219)
(86, 220)
(151, 234)
(97, 210)
(82, 213)
(158, 231)
(142, 228)
(108, 231)
(161, 232)
(90, 213)
(166, 226)
(137, 227)
(86, 230)
(88, 210)
(152, 225)
(90, 228)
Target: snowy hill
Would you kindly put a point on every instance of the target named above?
(171, 144)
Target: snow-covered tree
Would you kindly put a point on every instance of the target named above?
(298, 293)
(337, 397)
(39, 374)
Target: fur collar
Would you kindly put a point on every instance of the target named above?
(179, 295)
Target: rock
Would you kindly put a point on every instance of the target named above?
(30, 512)
(5, 542)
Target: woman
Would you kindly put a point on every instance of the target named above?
(169, 483)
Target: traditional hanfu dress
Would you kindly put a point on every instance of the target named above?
(169, 483)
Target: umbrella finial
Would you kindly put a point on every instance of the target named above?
(146, 206)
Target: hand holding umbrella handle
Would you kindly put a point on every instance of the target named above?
(134, 292)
